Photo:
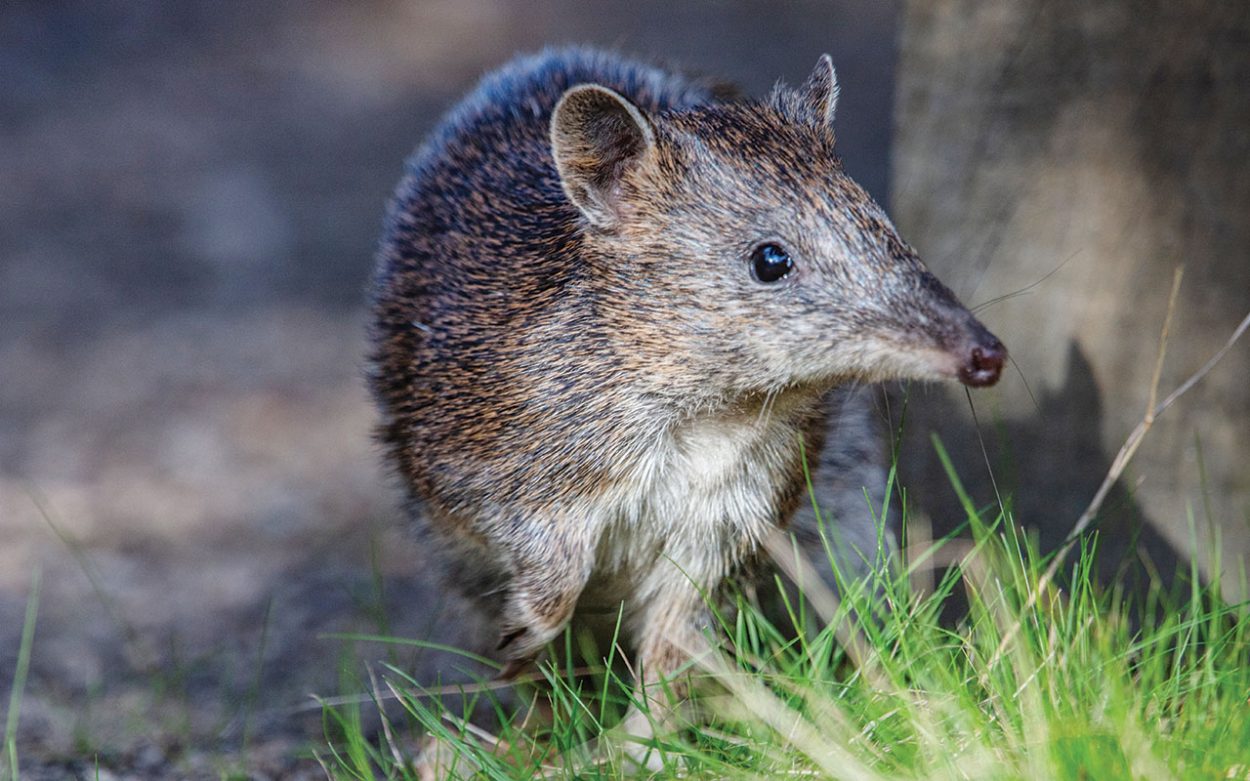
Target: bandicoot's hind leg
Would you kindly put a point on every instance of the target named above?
(672, 635)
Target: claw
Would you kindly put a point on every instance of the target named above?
(509, 638)
(514, 668)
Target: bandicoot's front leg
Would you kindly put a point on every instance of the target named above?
(550, 567)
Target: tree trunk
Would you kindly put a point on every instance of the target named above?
(1087, 149)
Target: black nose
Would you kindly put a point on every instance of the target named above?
(984, 362)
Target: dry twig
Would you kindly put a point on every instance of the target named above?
(1124, 456)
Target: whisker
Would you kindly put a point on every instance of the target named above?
(1026, 288)
(984, 452)
(1027, 389)
(766, 408)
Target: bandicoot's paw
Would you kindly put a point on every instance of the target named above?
(535, 613)
(437, 759)
(522, 645)
(515, 668)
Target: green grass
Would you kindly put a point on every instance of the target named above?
(1022, 682)
(975, 658)
(972, 658)
(9, 767)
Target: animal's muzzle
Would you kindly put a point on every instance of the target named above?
(983, 360)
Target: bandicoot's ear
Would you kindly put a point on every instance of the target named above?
(596, 136)
(819, 93)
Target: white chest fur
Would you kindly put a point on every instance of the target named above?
(705, 493)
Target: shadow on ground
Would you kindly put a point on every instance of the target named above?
(1046, 484)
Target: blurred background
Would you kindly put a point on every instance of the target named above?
(189, 197)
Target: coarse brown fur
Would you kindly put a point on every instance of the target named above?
(586, 392)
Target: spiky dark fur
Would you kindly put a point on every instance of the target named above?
(584, 390)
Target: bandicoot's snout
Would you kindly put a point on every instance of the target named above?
(983, 359)
(955, 342)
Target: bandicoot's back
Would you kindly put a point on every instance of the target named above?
(611, 307)
(481, 301)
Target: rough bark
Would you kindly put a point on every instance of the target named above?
(1108, 140)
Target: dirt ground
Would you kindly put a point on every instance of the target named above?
(189, 194)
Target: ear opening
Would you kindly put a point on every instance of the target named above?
(596, 137)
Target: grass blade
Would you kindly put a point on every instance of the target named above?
(19, 675)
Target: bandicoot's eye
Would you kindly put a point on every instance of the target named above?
(770, 262)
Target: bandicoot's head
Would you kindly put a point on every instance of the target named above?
(733, 231)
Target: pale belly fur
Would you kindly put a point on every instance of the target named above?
(705, 496)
